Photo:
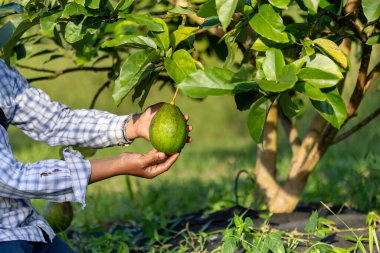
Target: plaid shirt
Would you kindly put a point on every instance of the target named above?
(31, 110)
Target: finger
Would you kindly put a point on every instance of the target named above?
(187, 117)
(189, 139)
(153, 157)
(189, 128)
(162, 167)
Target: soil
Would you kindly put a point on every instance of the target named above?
(218, 221)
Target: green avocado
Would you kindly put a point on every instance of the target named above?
(168, 129)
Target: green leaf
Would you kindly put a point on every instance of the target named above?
(333, 109)
(73, 9)
(310, 91)
(116, 5)
(182, 10)
(299, 63)
(122, 5)
(73, 32)
(6, 32)
(208, 9)
(245, 73)
(371, 9)
(146, 20)
(318, 78)
(332, 50)
(48, 21)
(232, 48)
(262, 44)
(144, 85)
(135, 68)
(320, 71)
(268, 23)
(288, 107)
(374, 39)
(244, 100)
(257, 117)
(273, 64)
(282, 4)
(93, 4)
(225, 10)
(132, 41)
(182, 34)
(286, 81)
(163, 37)
(238, 221)
(24, 26)
(274, 242)
(213, 82)
(312, 224)
(312, 5)
(180, 66)
(76, 32)
(229, 245)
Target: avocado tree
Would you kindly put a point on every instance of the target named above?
(269, 54)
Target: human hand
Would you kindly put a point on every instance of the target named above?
(138, 126)
(147, 165)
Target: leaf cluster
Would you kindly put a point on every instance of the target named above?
(262, 52)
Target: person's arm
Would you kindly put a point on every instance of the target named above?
(53, 179)
(32, 110)
(147, 166)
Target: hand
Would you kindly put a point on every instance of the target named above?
(148, 165)
(138, 126)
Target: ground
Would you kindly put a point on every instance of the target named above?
(183, 234)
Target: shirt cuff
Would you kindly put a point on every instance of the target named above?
(80, 171)
(117, 129)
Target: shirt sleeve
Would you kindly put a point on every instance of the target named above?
(56, 124)
(53, 180)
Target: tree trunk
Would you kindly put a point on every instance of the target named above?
(303, 163)
(265, 171)
(318, 139)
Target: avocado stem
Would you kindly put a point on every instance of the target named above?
(174, 97)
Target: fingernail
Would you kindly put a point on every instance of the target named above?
(161, 155)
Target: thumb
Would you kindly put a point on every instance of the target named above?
(154, 156)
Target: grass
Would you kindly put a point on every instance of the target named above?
(203, 177)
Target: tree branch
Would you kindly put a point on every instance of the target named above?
(105, 85)
(56, 74)
(349, 20)
(217, 31)
(358, 92)
(35, 69)
(292, 132)
(372, 76)
(357, 127)
(266, 170)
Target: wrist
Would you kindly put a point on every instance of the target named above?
(131, 127)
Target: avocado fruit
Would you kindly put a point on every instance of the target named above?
(168, 130)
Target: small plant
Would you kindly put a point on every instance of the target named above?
(241, 234)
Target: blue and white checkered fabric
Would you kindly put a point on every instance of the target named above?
(31, 110)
